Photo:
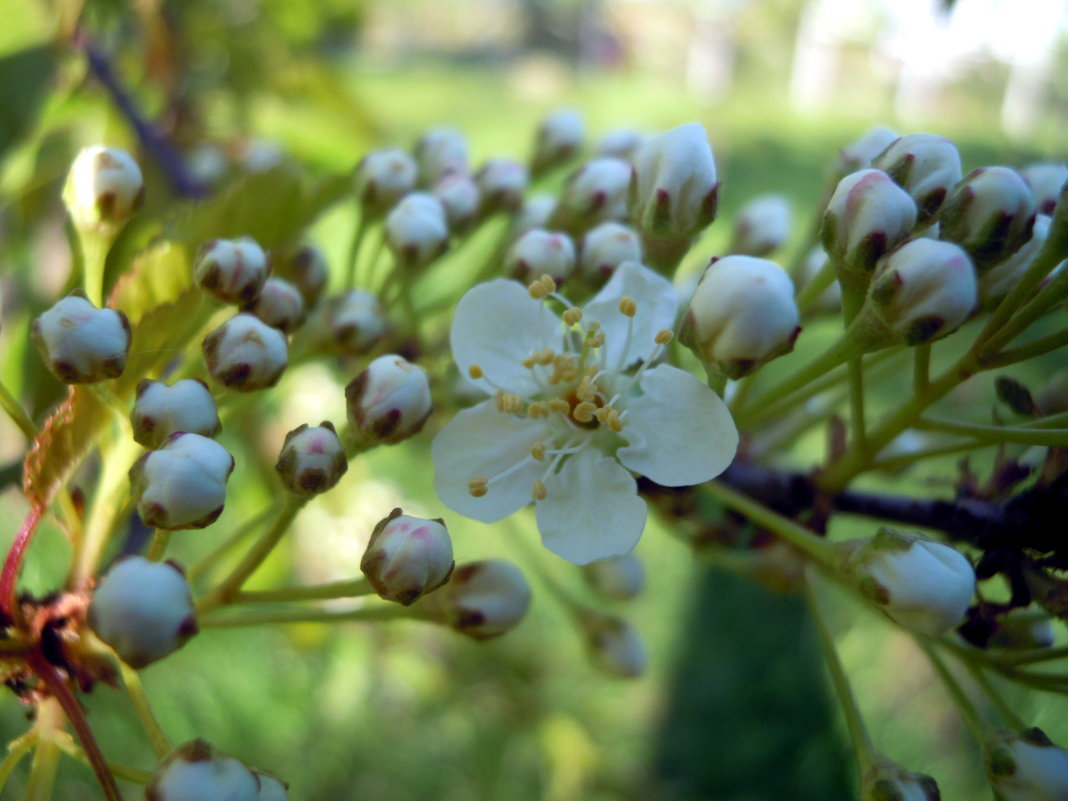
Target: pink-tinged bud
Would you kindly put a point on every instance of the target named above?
(459, 197)
(537, 253)
(233, 270)
(860, 154)
(440, 153)
(183, 484)
(535, 213)
(925, 290)
(161, 410)
(998, 281)
(143, 610)
(674, 191)
(407, 557)
(606, 247)
(558, 139)
(104, 189)
(595, 191)
(924, 165)
(197, 771)
(1026, 766)
(271, 787)
(382, 178)
(355, 321)
(614, 645)
(502, 183)
(389, 401)
(623, 143)
(246, 354)
(619, 578)
(990, 214)
(1046, 182)
(868, 215)
(762, 226)
(481, 599)
(279, 304)
(308, 271)
(742, 315)
(312, 459)
(416, 229)
(888, 781)
(924, 585)
(80, 343)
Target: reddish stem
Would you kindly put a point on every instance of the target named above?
(13, 563)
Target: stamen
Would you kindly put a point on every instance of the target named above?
(537, 409)
(477, 486)
(548, 283)
(538, 492)
(560, 405)
(615, 422)
(573, 316)
(584, 411)
(537, 290)
(596, 340)
(508, 402)
(537, 450)
(475, 372)
(544, 357)
(628, 306)
(664, 336)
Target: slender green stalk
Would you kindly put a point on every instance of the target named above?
(717, 382)
(905, 459)
(960, 698)
(995, 697)
(1025, 436)
(921, 368)
(271, 617)
(1033, 655)
(156, 737)
(210, 559)
(161, 538)
(95, 247)
(17, 749)
(50, 721)
(741, 396)
(857, 423)
(9, 403)
(109, 504)
(75, 751)
(358, 235)
(352, 588)
(1038, 347)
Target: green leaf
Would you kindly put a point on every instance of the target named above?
(25, 77)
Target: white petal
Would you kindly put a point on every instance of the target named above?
(496, 326)
(657, 308)
(678, 431)
(482, 442)
(591, 509)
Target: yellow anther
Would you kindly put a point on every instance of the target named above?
(584, 391)
(559, 405)
(528, 362)
(538, 492)
(544, 357)
(508, 403)
(664, 336)
(614, 422)
(591, 370)
(584, 412)
(477, 486)
(537, 291)
(597, 340)
(547, 283)
(475, 371)
(538, 409)
(627, 306)
(537, 451)
(573, 316)
(593, 326)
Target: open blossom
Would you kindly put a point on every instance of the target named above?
(577, 405)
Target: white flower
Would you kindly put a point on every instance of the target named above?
(578, 405)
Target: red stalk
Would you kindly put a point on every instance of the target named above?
(13, 563)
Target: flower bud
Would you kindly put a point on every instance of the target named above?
(80, 343)
(863, 151)
(308, 271)
(312, 460)
(416, 230)
(440, 153)
(990, 214)
(922, 584)
(558, 139)
(996, 282)
(535, 213)
(539, 252)
(762, 226)
(830, 300)
(868, 215)
(355, 321)
(742, 315)
(887, 781)
(606, 247)
(246, 354)
(161, 410)
(925, 290)
(233, 270)
(382, 178)
(481, 599)
(1029, 627)
(674, 191)
(104, 188)
(197, 771)
(458, 195)
(623, 144)
(619, 578)
(271, 787)
(614, 645)
(596, 191)
(924, 165)
(183, 484)
(407, 557)
(1026, 766)
(1046, 182)
(389, 401)
(501, 183)
(279, 304)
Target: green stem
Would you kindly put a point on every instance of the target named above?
(1032, 656)
(995, 697)
(351, 588)
(960, 698)
(270, 617)
(156, 737)
(818, 284)
(158, 546)
(1052, 437)
(108, 505)
(95, 247)
(921, 368)
(717, 382)
(49, 723)
(857, 424)
(354, 248)
(16, 750)
(1038, 347)
(905, 459)
(209, 560)
(745, 389)
(75, 751)
(17, 414)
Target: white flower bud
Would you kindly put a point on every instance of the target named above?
(887, 781)
(830, 300)
(459, 197)
(925, 290)
(762, 226)
(868, 215)
(502, 183)
(308, 271)
(407, 557)
(539, 252)
(355, 321)
(996, 282)
(674, 191)
(924, 165)
(389, 401)
(619, 577)
(161, 410)
(416, 229)
(280, 305)
(623, 143)
(990, 214)
(246, 354)
(233, 270)
(481, 599)
(197, 771)
(1046, 182)
(143, 610)
(440, 153)
(80, 343)
(104, 188)
(312, 459)
(1026, 766)
(559, 137)
(535, 213)
(922, 584)
(596, 190)
(614, 645)
(183, 484)
(742, 315)
(862, 151)
(271, 787)
(382, 178)
(605, 247)
(1029, 627)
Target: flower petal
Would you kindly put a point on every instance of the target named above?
(481, 441)
(496, 326)
(678, 431)
(591, 509)
(658, 306)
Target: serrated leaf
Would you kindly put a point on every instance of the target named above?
(1015, 395)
